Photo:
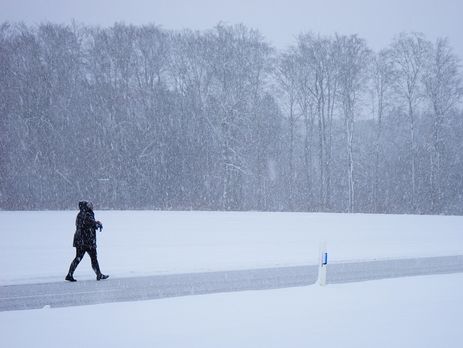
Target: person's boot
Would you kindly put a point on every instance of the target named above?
(102, 276)
(70, 278)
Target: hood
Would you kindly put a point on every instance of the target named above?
(85, 206)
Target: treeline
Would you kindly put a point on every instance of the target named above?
(137, 117)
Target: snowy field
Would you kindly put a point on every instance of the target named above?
(37, 246)
(413, 312)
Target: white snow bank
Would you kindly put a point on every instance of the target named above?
(407, 312)
(37, 246)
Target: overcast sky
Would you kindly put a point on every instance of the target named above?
(278, 20)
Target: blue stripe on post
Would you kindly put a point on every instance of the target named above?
(325, 258)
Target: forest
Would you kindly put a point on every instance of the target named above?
(140, 117)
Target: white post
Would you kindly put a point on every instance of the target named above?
(323, 263)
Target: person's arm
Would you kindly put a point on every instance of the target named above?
(98, 225)
(92, 223)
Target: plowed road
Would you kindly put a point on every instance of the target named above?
(62, 294)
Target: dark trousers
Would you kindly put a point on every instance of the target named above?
(80, 252)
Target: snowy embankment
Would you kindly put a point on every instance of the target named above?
(37, 246)
(407, 312)
(415, 312)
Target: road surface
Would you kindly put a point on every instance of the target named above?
(63, 294)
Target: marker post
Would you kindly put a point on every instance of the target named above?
(323, 263)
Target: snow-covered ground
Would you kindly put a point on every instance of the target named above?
(37, 246)
(415, 312)
(407, 312)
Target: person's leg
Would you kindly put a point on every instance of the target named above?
(93, 257)
(79, 254)
(95, 265)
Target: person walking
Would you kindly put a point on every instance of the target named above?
(85, 240)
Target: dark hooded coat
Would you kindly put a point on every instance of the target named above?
(85, 235)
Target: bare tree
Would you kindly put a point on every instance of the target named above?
(287, 76)
(314, 52)
(305, 101)
(409, 54)
(382, 79)
(236, 58)
(317, 89)
(354, 56)
(444, 90)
